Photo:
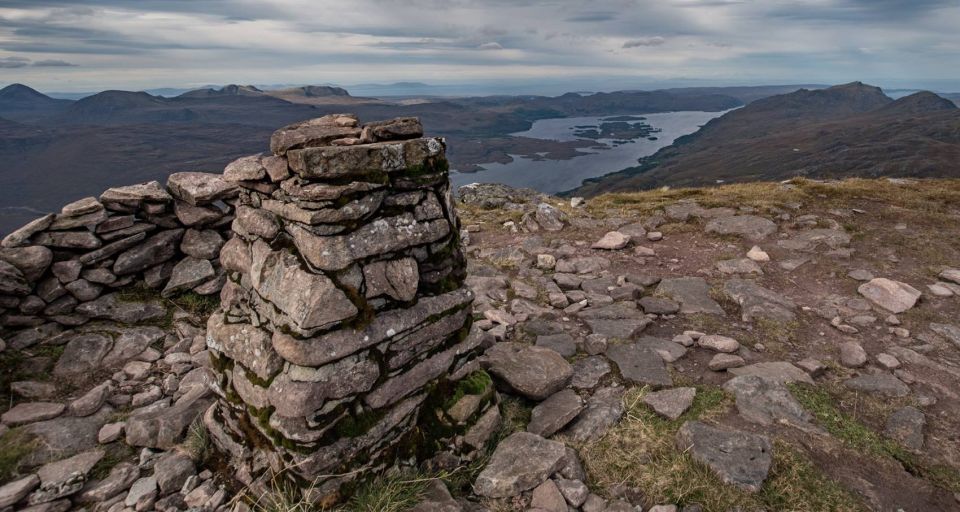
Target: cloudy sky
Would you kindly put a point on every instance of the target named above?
(62, 45)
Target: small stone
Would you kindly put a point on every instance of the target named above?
(534, 372)
(613, 240)
(654, 236)
(883, 383)
(887, 361)
(671, 403)
(684, 339)
(140, 489)
(812, 366)
(739, 266)
(719, 343)
(852, 354)
(758, 254)
(554, 413)
(939, 290)
(547, 497)
(722, 362)
(546, 261)
(595, 344)
(860, 275)
(172, 471)
(110, 432)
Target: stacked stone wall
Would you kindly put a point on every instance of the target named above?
(66, 267)
(344, 305)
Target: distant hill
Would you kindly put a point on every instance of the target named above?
(21, 103)
(841, 131)
(227, 90)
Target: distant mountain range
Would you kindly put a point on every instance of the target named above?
(57, 150)
(841, 131)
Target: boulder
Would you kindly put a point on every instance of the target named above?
(639, 364)
(113, 307)
(766, 402)
(906, 427)
(670, 403)
(604, 409)
(693, 294)
(750, 227)
(612, 241)
(883, 383)
(201, 244)
(31, 261)
(153, 251)
(31, 412)
(164, 428)
(554, 413)
(187, 274)
(82, 356)
(200, 188)
(891, 295)
(135, 195)
(778, 371)
(521, 462)
(534, 372)
(757, 302)
(21, 235)
(16, 490)
(737, 458)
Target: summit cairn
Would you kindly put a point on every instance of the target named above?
(344, 305)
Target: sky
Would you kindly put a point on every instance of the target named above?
(62, 45)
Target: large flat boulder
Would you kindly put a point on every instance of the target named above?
(520, 463)
(891, 295)
(757, 302)
(693, 294)
(738, 458)
(534, 372)
(750, 227)
(640, 364)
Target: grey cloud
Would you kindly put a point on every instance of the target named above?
(591, 17)
(490, 46)
(645, 41)
(14, 62)
(53, 63)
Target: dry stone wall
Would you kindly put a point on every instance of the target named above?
(67, 267)
(344, 310)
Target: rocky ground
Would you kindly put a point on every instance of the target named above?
(754, 347)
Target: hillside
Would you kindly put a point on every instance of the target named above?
(759, 346)
(21, 103)
(842, 131)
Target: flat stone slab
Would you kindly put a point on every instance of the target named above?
(520, 463)
(534, 372)
(604, 409)
(738, 458)
(758, 302)
(31, 412)
(891, 295)
(618, 329)
(554, 413)
(750, 227)
(950, 332)
(810, 240)
(671, 403)
(112, 307)
(562, 343)
(693, 294)
(588, 371)
(640, 364)
(766, 402)
(777, 371)
(906, 427)
(884, 384)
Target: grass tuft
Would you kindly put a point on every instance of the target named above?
(641, 452)
(197, 443)
(15, 444)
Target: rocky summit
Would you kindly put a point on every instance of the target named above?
(329, 325)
